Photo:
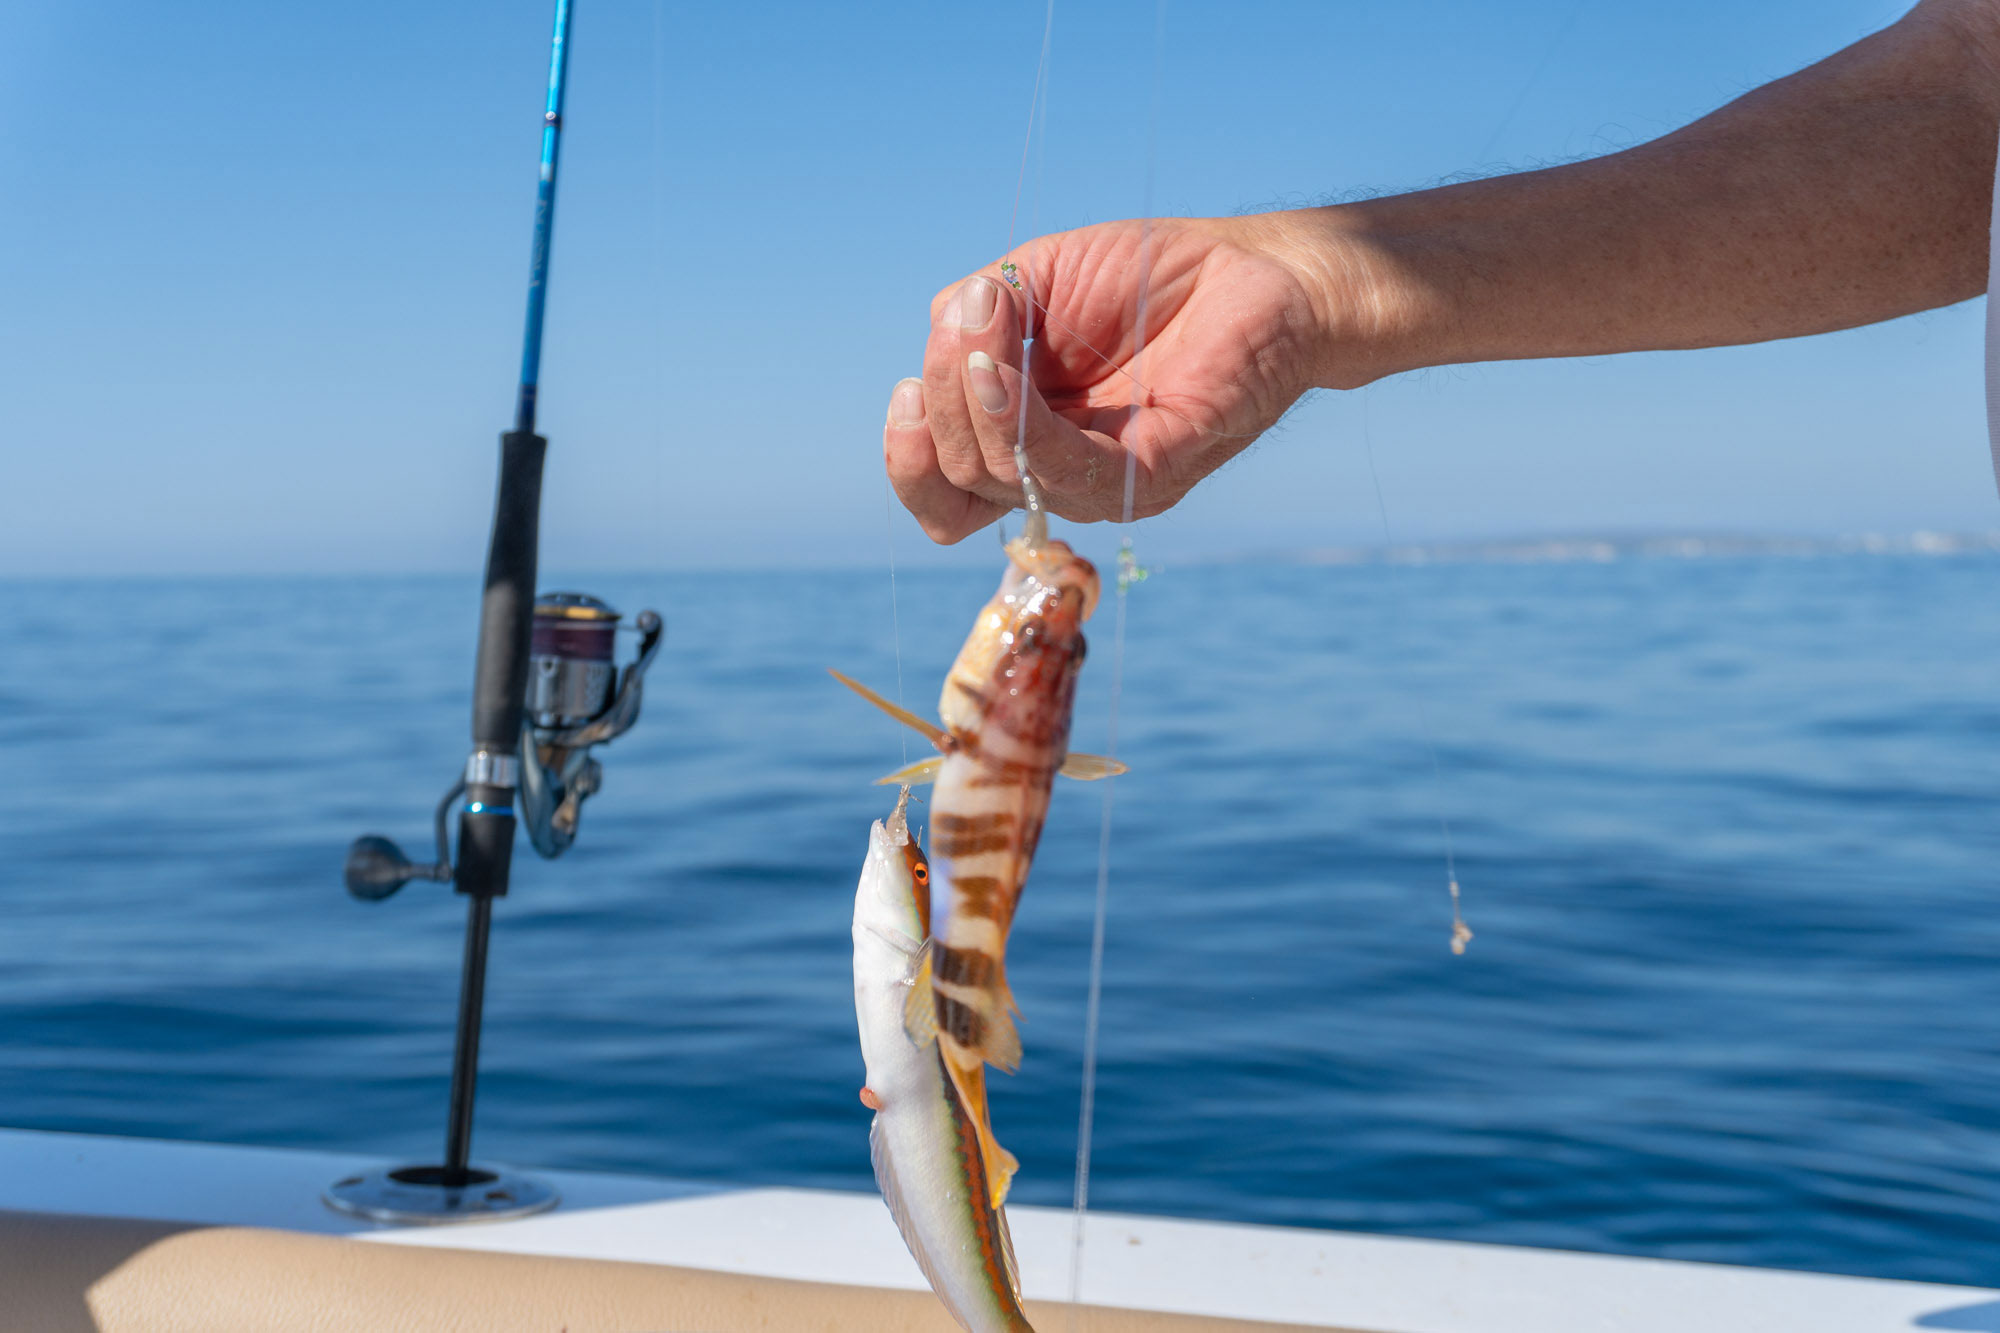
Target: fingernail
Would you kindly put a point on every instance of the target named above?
(906, 403)
(975, 304)
(986, 385)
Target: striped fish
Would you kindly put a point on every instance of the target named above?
(924, 1141)
(1006, 713)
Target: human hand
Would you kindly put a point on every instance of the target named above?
(1237, 329)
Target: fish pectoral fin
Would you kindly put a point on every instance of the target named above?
(1091, 767)
(924, 770)
(920, 1005)
(999, 1163)
(896, 940)
(931, 730)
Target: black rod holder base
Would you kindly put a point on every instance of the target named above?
(418, 1196)
(465, 1049)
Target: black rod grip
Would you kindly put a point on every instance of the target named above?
(506, 615)
(500, 676)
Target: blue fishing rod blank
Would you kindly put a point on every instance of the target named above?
(545, 216)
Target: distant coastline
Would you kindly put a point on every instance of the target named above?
(1161, 556)
(1606, 549)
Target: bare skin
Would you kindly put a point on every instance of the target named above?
(1856, 190)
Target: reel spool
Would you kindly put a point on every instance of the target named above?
(573, 706)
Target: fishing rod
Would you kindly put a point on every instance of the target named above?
(546, 690)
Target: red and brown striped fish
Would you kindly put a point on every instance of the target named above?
(1006, 713)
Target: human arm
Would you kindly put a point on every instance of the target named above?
(1853, 191)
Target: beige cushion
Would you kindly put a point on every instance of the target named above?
(61, 1274)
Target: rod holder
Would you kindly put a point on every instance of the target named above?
(376, 868)
(419, 1196)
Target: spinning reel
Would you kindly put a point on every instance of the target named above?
(577, 699)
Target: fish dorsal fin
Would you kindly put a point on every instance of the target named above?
(931, 730)
(1088, 767)
(1000, 1164)
(920, 1004)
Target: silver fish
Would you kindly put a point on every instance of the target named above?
(925, 1143)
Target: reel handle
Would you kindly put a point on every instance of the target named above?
(376, 869)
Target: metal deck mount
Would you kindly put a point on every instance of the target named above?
(420, 1196)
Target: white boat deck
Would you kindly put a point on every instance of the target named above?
(1381, 1284)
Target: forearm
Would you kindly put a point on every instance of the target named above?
(1853, 191)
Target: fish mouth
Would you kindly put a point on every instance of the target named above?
(1046, 593)
(1052, 565)
(897, 828)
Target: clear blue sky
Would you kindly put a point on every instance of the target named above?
(263, 272)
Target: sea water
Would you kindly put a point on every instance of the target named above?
(1725, 827)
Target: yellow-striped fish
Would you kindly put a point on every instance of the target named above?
(925, 1141)
(1006, 712)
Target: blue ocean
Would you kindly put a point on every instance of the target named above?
(1726, 829)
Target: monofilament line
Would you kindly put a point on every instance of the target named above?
(1461, 934)
(1036, 528)
(895, 612)
(1094, 994)
(663, 292)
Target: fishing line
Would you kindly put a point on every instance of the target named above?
(1031, 497)
(1461, 934)
(1534, 77)
(660, 284)
(895, 611)
(1094, 995)
(1026, 286)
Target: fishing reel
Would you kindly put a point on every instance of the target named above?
(577, 698)
(573, 706)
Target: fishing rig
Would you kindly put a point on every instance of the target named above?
(546, 690)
